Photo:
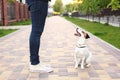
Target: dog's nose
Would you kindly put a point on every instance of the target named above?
(87, 36)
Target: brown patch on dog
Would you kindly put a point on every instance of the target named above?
(84, 33)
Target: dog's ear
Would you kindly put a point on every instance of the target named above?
(77, 34)
(77, 29)
(87, 36)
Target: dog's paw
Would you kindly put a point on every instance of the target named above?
(88, 65)
(76, 66)
(82, 68)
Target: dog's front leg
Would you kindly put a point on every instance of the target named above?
(76, 63)
(82, 63)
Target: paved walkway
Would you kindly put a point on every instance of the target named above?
(57, 49)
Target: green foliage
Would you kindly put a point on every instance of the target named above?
(94, 6)
(27, 22)
(73, 7)
(4, 32)
(100, 33)
(115, 4)
(106, 32)
(69, 7)
(11, 1)
(58, 6)
(103, 3)
(85, 6)
(79, 7)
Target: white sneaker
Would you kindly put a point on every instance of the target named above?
(44, 64)
(40, 68)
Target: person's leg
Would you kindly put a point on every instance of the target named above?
(38, 15)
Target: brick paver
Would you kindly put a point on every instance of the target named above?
(57, 48)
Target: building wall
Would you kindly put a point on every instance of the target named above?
(0, 10)
(17, 11)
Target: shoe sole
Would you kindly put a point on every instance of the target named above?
(41, 71)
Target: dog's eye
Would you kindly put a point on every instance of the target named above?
(83, 32)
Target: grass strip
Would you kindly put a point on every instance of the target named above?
(27, 22)
(4, 32)
(108, 33)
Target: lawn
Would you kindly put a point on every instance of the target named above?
(4, 32)
(27, 22)
(106, 32)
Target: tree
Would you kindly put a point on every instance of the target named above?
(79, 7)
(75, 7)
(103, 3)
(77, 1)
(69, 7)
(58, 6)
(114, 4)
(94, 6)
(10, 1)
(94, 9)
(85, 6)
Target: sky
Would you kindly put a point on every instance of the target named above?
(53, 1)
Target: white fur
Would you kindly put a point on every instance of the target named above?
(82, 54)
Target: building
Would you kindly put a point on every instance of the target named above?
(13, 12)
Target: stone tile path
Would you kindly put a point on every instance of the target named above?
(57, 48)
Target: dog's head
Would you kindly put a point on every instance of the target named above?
(79, 33)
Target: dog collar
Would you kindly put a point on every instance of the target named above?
(81, 46)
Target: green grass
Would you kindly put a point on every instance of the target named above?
(27, 22)
(0, 24)
(4, 32)
(108, 33)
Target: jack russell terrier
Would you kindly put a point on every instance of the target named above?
(82, 54)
